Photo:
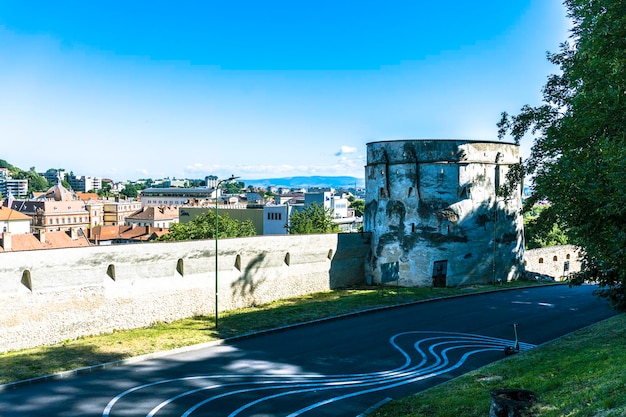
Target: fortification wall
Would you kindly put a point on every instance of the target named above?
(435, 217)
(555, 261)
(52, 295)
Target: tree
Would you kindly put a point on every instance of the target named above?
(314, 218)
(541, 228)
(358, 206)
(233, 187)
(203, 227)
(5, 164)
(129, 191)
(577, 158)
(35, 181)
(105, 191)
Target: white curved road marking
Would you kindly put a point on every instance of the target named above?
(433, 360)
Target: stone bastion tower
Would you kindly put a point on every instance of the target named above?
(434, 215)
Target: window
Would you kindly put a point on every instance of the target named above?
(540, 260)
(274, 216)
(555, 259)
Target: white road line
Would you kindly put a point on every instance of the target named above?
(432, 362)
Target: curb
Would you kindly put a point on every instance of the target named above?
(165, 353)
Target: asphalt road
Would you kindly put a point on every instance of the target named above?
(334, 368)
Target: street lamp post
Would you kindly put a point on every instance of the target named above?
(217, 188)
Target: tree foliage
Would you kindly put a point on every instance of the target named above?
(36, 182)
(542, 228)
(105, 191)
(203, 227)
(577, 160)
(314, 218)
(129, 191)
(233, 187)
(358, 206)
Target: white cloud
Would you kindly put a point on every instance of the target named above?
(345, 149)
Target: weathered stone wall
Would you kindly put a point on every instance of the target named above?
(52, 295)
(435, 219)
(556, 261)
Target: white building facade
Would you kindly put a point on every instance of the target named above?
(175, 197)
(276, 219)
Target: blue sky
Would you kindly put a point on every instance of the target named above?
(258, 89)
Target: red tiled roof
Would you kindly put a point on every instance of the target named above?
(101, 233)
(63, 240)
(155, 213)
(53, 240)
(7, 214)
(87, 196)
(104, 232)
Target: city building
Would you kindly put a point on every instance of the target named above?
(59, 209)
(343, 217)
(96, 212)
(52, 175)
(174, 197)
(175, 183)
(19, 188)
(84, 184)
(160, 217)
(14, 222)
(293, 198)
(338, 205)
(211, 181)
(276, 219)
(115, 212)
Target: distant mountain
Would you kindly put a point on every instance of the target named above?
(307, 182)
